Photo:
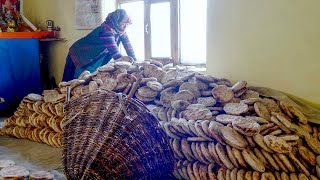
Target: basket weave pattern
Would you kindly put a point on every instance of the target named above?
(108, 136)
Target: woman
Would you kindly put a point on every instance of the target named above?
(100, 46)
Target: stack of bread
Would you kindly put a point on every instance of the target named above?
(38, 118)
(217, 130)
(252, 137)
(8, 170)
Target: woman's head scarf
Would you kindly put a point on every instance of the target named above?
(115, 18)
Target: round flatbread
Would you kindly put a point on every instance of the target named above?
(267, 176)
(232, 137)
(213, 131)
(238, 86)
(231, 156)
(184, 95)
(193, 88)
(124, 79)
(155, 85)
(226, 118)
(279, 162)
(270, 159)
(222, 93)
(166, 97)
(34, 97)
(278, 123)
(271, 105)
(16, 172)
(144, 99)
(200, 131)
(307, 155)
(207, 101)
(253, 160)
(237, 154)
(277, 144)
(246, 127)
(284, 176)
(186, 149)
(177, 148)
(122, 64)
(159, 74)
(297, 113)
(255, 175)
(261, 157)
(258, 138)
(250, 94)
(235, 108)
(285, 108)
(147, 92)
(213, 152)
(262, 111)
(202, 159)
(197, 113)
(286, 162)
(240, 174)
(170, 75)
(233, 174)
(313, 143)
(248, 175)
(206, 153)
(223, 156)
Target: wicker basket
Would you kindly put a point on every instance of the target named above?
(111, 136)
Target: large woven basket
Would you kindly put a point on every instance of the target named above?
(110, 136)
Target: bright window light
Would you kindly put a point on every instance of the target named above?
(160, 30)
(136, 30)
(193, 16)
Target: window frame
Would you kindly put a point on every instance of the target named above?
(174, 30)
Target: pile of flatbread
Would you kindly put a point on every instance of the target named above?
(38, 118)
(9, 170)
(217, 130)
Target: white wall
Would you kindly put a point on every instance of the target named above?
(269, 43)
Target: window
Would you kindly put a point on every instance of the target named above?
(135, 31)
(168, 28)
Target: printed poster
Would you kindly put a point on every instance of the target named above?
(88, 14)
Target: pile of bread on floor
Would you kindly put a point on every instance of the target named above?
(217, 130)
(250, 137)
(38, 118)
(9, 170)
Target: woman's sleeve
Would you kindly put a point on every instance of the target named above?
(109, 42)
(127, 46)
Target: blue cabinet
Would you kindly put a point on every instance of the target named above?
(19, 71)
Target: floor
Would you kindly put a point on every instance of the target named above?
(34, 156)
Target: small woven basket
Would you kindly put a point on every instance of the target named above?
(112, 136)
